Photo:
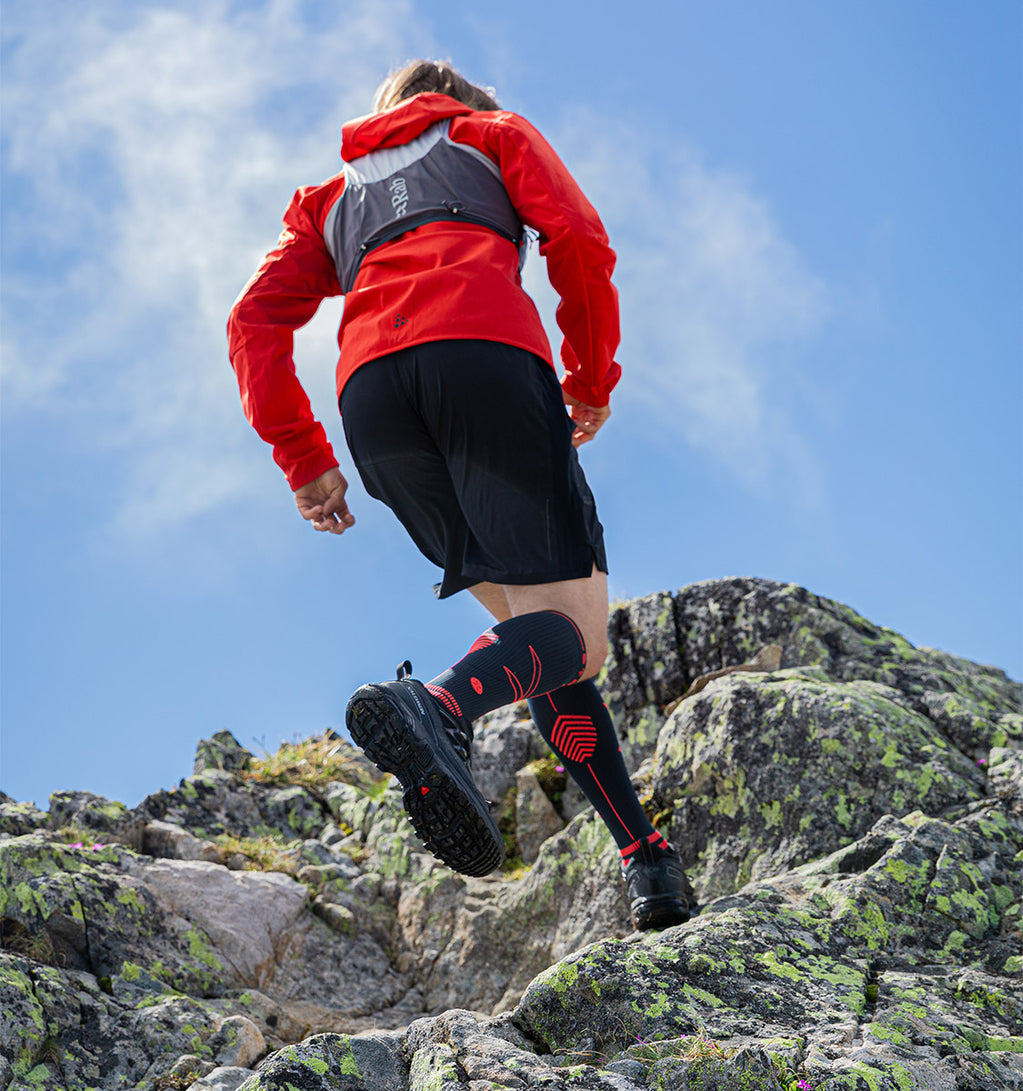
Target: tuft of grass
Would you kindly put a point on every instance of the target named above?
(688, 1047)
(552, 777)
(267, 853)
(16, 937)
(72, 834)
(314, 763)
(178, 1081)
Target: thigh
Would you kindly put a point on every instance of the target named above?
(493, 597)
(497, 415)
(397, 459)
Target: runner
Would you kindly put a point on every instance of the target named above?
(455, 419)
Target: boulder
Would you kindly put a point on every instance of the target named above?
(222, 751)
(535, 817)
(850, 810)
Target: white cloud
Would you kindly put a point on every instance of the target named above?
(150, 152)
(714, 301)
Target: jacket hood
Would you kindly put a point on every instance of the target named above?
(398, 125)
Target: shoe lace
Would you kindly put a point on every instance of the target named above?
(459, 732)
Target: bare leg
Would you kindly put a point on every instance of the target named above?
(583, 600)
(492, 597)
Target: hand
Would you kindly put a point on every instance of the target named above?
(322, 502)
(587, 419)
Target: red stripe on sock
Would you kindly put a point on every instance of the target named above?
(484, 640)
(609, 803)
(444, 697)
(516, 685)
(574, 737)
(535, 680)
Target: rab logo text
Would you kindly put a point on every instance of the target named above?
(399, 196)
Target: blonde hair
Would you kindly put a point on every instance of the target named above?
(418, 76)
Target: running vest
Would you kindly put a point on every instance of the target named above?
(394, 190)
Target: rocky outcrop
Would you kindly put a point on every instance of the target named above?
(850, 809)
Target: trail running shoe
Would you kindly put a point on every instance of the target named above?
(658, 890)
(404, 730)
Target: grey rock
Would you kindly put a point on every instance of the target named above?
(503, 743)
(88, 811)
(237, 1043)
(852, 815)
(174, 842)
(223, 1078)
(295, 812)
(1005, 770)
(535, 816)
(738, 765)
(332, 834)
(19, 818)
(335, 1062)
(242, 916)
(60, 1029)
(222, 751)
(208, 804)
(188, 1066)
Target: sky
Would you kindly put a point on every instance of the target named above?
(816, 210)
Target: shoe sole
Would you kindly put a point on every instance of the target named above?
(447, 811)
(660, 911)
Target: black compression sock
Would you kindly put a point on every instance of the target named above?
(576, 725)
(523, 656)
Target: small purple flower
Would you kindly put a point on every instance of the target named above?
(559, 768)
(982, 761)
(803, 1086)
(76, 845)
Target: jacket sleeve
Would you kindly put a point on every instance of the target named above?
(573, 240)
(281, 297)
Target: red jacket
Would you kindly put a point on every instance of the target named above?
(440, 281)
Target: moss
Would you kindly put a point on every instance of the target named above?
(199, 948)
(885, 1032)
(348, 1065)
(561, 978)
(771, 814)
(770, 961)
(130, 971)
(128, 897)
(703, 963)
(701, 996)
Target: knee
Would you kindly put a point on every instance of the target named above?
(596, 652)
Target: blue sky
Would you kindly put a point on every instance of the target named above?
(816, 210)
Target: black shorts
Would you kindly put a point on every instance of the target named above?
(469, 444)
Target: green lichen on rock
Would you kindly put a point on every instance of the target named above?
(735, 764)
(852, 820)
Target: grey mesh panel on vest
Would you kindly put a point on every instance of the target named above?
(394, 190)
